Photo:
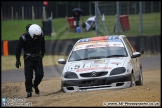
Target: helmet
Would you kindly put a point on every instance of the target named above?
(35, 30)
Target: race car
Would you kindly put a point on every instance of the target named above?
(103, 62)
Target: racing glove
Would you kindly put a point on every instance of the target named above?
(18, 63)
(42, 55)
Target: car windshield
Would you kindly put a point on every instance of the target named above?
(97, 53)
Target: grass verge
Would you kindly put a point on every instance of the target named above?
(12, 29)
(8, 62)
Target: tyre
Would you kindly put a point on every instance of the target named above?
(133, 83)
(140, 81)
(62, 90)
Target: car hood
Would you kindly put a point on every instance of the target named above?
(95, 64)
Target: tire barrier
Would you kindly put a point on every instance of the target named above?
(12, 47)
(63, 47)
(2, 53)
(149, 44)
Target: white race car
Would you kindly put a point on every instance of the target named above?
(97, 63)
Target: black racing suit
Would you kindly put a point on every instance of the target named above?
(34, 49)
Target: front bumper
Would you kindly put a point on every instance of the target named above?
(122, 81)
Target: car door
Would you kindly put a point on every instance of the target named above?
(136, 62)
(132, 60)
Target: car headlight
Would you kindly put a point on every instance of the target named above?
(70, 75)
(118, 70)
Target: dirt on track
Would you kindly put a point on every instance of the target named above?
(51, 95)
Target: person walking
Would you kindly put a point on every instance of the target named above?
(33, 45)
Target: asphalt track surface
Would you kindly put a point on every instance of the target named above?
(148, 63)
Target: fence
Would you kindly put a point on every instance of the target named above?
(129, 7)
(14, 10)
(128, 17)
(23, 13)
(150, 17)
(63, 8)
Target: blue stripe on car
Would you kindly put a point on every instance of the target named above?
(84, 40)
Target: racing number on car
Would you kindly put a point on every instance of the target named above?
(87, 65)
(78, 66)
(74, 67)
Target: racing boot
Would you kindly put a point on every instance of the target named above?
(36, 90)
(29, 94)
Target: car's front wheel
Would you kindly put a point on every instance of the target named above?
(133, 82)
(140, 81)
(62, 90)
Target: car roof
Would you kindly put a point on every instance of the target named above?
(99, 38)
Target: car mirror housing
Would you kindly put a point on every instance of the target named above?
(61, 61)
(136, 54)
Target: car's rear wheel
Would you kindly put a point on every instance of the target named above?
(140, 81)
(133, 83)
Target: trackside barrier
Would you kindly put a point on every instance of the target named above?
(5, 48)
(149, 44)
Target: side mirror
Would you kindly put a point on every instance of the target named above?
(135, 54)
(61, 61)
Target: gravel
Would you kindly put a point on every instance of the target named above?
(50, 94)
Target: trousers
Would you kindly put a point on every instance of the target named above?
(33, 64)
(76, 23)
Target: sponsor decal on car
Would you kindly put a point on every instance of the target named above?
(117, 63)
(94, 65)
(83, 43)
(116, 44)
(79, 47)
(114, 40)
(91, 42)
(94, 68)
(97, 45)
(99, 61)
